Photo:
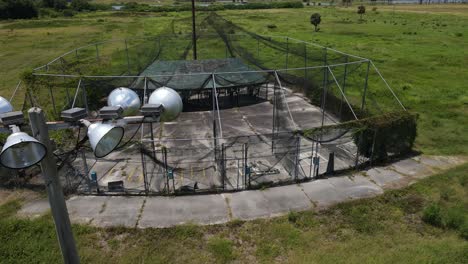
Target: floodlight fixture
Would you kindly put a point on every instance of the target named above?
(5, 105)
(104, 138)
(73, 114)
(111, 112)
(12, 118)
(21, 150)
(152, 110)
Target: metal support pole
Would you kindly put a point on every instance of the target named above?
(54, 189)
(345, 75)
(305, 63)
(194, 33)
(85, 168)
(365, 87)
(258, 48)
(128, 59)
(296, 161)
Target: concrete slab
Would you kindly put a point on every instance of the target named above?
(385, 178)
(322, 193)
(439, 162)
(35, 208)
(284, 199)
(83, 209)
(361, 187)
(170, 211)
(412, 168)
(248, 205)
(120, 211)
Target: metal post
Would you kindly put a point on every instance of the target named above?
(128, 60)
(223, 165)
(54, 189)
(143, 166)
(85, 98)
(164, 153)
(365, 87)
(194, 33)
(76, 55)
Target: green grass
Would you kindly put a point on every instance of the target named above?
(386, 229)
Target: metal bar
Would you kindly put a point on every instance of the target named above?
(14, 92)
(76, 93)
(282, 94)
(54, 189)
(217, 105)
(52, 97)
(342, 93)
(192, 74)
(388, 86)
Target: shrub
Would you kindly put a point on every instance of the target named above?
(432, 215)
(392, 133)
(464, 230)
(455, 218)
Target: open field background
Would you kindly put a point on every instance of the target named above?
(422, 55)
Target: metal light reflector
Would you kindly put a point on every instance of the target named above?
(170, 100)
(104, 138)
(125, 98)
(21, 150)
(5, 105)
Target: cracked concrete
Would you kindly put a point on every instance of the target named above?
(159, 211)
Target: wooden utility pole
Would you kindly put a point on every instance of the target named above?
(194, 32)
(54, 188)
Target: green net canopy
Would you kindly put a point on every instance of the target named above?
(188, 75)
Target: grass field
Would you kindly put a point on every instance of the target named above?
(421, 52)
(386, 229)
(421, 55)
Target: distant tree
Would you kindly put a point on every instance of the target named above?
(18, 9)
(315, 20)
(361, 10)
(80, 5)
(60, 4)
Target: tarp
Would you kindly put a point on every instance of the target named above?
(186, 75)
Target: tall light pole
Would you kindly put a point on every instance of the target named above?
(194, 33)
(54, 188)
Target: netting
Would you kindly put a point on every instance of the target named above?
(258, 110)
